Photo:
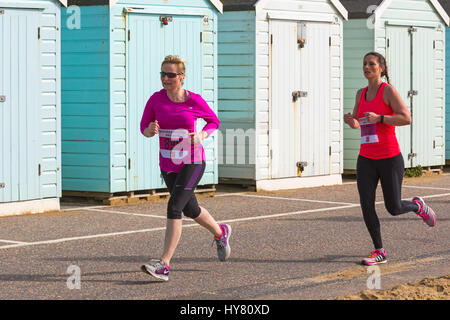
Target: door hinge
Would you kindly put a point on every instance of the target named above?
(201, 36)
(412, 93)
(129, 163)
(388, 43)
(329, 151)
(301, 166)
(39, 33)
(298, 94)
(412, 29)
(411, 155)
(129, 35)
(329, 41)
(165, 19)
(39, 170)
(271, 39)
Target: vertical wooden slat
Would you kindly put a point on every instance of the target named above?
(14, 124)
(315, 108)
(398, 58)
(22, 114)
(19, 134)
(447, 92)
(423, 80)
(283, 83)
(3, 110)
(152, 44)
(300, 128)
(2, 104)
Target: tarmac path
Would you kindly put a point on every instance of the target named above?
(295, 244)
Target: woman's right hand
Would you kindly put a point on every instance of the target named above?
(153, 128)
(348, 119)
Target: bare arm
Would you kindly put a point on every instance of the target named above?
(402, 115)
(152, 129)
(147, 133)
(352, 119)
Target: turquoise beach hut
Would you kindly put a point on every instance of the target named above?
(446, 5)
(30, 134)
(280, 93)
(411, 35)
(111, 58)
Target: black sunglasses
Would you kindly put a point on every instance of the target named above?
(169, 74)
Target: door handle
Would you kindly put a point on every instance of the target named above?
(2, 98)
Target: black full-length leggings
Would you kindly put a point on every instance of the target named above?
(390, 173)
(181, 186)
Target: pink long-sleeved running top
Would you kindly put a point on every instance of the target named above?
(176, 120)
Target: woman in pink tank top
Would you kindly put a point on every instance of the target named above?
(378, 110)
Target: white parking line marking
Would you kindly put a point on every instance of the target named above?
(79, 238)
(294, 199)
(10, 241)
(423, 197)
(293, 213)
(102, 235)
(229, 194)
(129, 213)
(436, 195)
(419, 187)
(163, 228)
(84, 208)
(134, 214)
(17, 244)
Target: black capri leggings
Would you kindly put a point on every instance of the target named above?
(181, 186)
(390, 173)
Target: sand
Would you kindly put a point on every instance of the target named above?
(427, 289)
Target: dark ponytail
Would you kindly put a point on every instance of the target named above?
(382, 63)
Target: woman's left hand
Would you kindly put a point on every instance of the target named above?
(197, 138)
(372, 117)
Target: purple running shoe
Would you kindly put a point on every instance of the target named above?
(223, 244)
(157, 269)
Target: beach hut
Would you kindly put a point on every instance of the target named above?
(280, 93)
(30, 135)
(411, 35)
(111, 58)
(446, 5)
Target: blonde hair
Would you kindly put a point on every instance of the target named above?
(176, 61)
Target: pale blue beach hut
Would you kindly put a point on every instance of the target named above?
(411, 35)
(30, 134)
(111, 59)
(280, 93)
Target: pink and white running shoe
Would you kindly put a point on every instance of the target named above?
(376, 257)
(425, 212)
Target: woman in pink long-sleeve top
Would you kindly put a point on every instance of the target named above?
(172, 113)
